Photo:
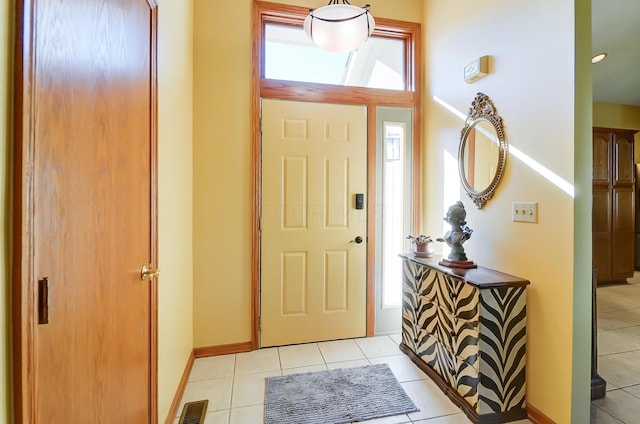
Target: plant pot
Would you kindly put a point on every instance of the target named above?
(422, 247)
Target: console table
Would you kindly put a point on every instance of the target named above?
(466, 328)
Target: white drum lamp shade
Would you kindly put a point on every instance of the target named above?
(339, 27)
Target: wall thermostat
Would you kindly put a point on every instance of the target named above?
(477, 69)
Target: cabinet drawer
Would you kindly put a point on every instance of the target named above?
(459, 337)
(428, 283)
(466, 302)
(416, 312)
(466, 341)
(460, 299)
(438, 357)
(409, 339)
(416, 277)
(438, 322)
(467, 378)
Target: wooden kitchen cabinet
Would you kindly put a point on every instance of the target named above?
(613, 224)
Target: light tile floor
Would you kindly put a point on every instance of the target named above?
(234, 384)
(619, 353)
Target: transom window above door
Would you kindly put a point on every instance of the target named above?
(290, 55)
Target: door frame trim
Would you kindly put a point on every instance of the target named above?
(23, 299)
(261, 88)
(153, 307)
(386, 114)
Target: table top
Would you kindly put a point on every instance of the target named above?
(481, 277)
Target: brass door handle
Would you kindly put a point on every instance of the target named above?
(148, 273)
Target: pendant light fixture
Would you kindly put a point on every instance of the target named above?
(339, 27)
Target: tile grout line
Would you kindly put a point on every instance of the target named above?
(324, 360)
(233, 383)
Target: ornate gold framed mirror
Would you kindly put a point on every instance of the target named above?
(482, 154)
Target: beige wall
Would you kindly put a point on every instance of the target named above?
(5, 227)
(222, 158)
(537, 105)
(175, 197)
(222, 163)
(611, 115)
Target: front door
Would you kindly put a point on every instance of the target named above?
(313, 270)
(84, 197)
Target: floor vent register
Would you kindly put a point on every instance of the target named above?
(194, 412)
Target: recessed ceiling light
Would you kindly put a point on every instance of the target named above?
(598, 58)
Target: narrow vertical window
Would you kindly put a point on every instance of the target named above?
(393, 213)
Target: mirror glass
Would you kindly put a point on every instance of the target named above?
(482, 153)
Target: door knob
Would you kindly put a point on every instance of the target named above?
(148, 273)
(356, 240)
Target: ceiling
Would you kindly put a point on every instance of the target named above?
(616, 31)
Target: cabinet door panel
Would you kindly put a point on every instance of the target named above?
(623, 210)
(623, 158)
(601, 158)
(622, 254)
(601, 232)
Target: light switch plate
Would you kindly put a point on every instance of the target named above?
(524, 212)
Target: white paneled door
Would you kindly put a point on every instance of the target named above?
(313, 268)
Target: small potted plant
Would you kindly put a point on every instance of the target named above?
(422, 243)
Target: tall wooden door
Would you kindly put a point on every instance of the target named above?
(85, 200)
(313, 271)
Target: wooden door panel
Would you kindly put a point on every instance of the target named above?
(601, 256)
(623, 157)
(601, 231)
(601, 223)
(622, 256)
(601, 157)
(89, 142)
(623, 210)
(623, 233)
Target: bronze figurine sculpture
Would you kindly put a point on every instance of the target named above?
(459, 233)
